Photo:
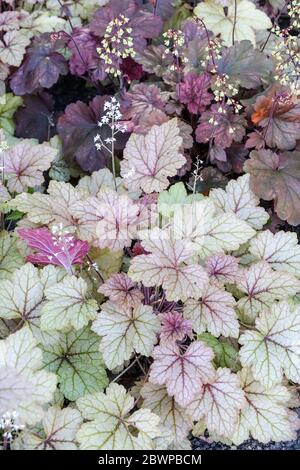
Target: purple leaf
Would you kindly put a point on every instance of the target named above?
(62, 250)
(77, 128)
(41, 68)
(222, 125)
(194, 92)
(35, 118)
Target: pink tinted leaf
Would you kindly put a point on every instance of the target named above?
(194, 92)
(25, 164)
(277, 176)
(119, 220)
(122, 290)
(182, 373)
(149, 160)
(174, 327)
(64, 250)
(222, 268)
(222, 125)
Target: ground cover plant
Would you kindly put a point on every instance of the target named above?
(150, 204)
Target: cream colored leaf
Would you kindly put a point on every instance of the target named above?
(242, 19)
(239, 199)
(211, 230)
(124, 331)
(25, 163)
(262, 287)
(213, 312)
(219, 402)
(67, 304)
(265, 416)
(111, 426)
(20, 353)
(172, 415)
(58, 432)
(182, 372)
(12, 47)
(280, 250)
(149, 160)
(272, 349)
(170, 264)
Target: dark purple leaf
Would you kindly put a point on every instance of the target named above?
(35, 118)
(77, 128)
(41, 68)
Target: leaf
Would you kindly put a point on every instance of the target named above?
(14, 389)
(245, 64)
(172, 415)
(194, 92)
(222, 268)
(59, 428)
(20, 354)
(35, 118)
(169, 265)
(12, 47)
(219, 402)
(221, 125)
(239, 199)
(265, 416)
(8, 106)
(110, 426)
(22, 295)
(119, 218)
(51, 209)
(125, 331)
(176, 195)
(174, 327)
(210, 230)
(182, 373)
(214, 312)
(280, 250)
(26, 163)
(225, 354)
(67, 304)
(10, 256)
(61, 250)
(278, 114)
(149, 160)
(77, 128)
(262, 287)
(242, 22)
(41, 68)
(277, 176)
(122, 290)
(76, 360)
(97, 182)
(273, 348)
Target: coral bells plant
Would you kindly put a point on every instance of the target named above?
(149, 215)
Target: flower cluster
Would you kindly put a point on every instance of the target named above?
(10, 425)
(117, 44)
(174, 42)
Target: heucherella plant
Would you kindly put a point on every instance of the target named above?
(207, 314)
(149, 224)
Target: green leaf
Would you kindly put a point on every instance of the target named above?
(8, 106)
(67, 304)
(176, 195)
(10, 257)
(77, 362)
(225, 354)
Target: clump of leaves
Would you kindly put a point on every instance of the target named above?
(141, 304)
